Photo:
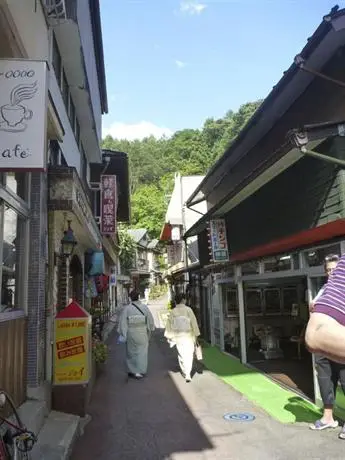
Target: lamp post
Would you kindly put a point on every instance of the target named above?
(68, 243)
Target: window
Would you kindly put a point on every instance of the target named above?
(17, 183)
(77, 132)
(54, 153)
(316, 257)
(272, 300)
(83, 165)
(290, 297)
(250, 268)
(13, 263)
(71, 113)
(253, 301)
(65, 90)
(278, 264)
(230, 301)
(57, 63)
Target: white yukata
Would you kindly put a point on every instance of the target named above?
(136, 328)
(182, 329)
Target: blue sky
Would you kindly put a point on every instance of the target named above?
(171, 64)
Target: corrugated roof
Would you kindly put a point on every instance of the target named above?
(137, 234)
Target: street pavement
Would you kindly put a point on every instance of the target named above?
(162, 417)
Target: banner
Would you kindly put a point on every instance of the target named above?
(23, 114)
(108, 204)
(218, 241)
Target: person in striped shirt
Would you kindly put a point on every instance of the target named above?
(325, 333)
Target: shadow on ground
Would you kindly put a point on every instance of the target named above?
(145, 419)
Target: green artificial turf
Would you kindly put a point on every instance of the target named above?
(284, 405)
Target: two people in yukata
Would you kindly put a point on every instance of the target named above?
(135, 327)
(182, 330)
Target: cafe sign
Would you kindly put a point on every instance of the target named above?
(108, 204)
(23, 114)
(218, 241)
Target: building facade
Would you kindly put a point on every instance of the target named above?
(281, 202)
(40, 204)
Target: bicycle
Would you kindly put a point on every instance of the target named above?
(16, 441)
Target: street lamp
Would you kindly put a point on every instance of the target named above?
(68, 241)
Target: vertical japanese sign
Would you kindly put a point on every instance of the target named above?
(218, 241)
(108, 204)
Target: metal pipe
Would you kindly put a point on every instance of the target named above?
(321, 156)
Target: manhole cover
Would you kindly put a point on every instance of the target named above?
(242, 417)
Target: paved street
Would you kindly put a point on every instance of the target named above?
(162, 417)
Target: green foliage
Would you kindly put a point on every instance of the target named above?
(157, 291)
(153, 162)
(127, 249)
(99, 351)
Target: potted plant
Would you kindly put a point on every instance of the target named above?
(99, 354)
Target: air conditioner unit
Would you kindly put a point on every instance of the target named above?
(56, 9)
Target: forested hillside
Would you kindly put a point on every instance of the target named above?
(153, 162)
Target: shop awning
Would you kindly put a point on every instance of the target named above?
(165, 233)
(299, 240)
(293, 149)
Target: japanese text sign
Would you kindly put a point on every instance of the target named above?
(108, 204)
(218, 240)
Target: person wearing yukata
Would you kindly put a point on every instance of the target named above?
(328, 371)
(135, 327)
(182, 330)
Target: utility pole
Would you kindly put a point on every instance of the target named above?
(183, 213)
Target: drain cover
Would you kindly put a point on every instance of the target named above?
(241, 417)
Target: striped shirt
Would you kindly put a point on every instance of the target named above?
(333, 295)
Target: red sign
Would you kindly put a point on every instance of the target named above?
(108, 204)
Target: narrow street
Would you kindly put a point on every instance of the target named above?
(162, 417)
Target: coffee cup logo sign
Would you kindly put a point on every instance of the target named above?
(23, 111)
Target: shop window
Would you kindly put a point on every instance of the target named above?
(65, 90)
(290, 297)
(13, 262)
(316, 257)
(272, 300)
(278, 264)
(54, 153)
(17, 183)
(230, 301)
(253, 301)
(250, 268)
(57, 63)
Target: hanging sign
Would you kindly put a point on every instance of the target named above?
(72, 346)
(108, 204)
(218, 241)
(23, 114)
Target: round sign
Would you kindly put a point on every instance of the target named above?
(242, 417)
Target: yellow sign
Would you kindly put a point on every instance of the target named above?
(72, 351)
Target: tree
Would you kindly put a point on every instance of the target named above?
(153, 162)
(127, 249)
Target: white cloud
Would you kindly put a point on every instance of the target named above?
(134, 131)
(180, 64)
(192, 7)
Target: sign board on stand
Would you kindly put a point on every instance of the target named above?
(72, 346)
(23, 115)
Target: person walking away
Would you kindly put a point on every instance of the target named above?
(328, 372)
(182, 330)
(135, 326)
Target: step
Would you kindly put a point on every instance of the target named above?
(33, 414)
(56, 438)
